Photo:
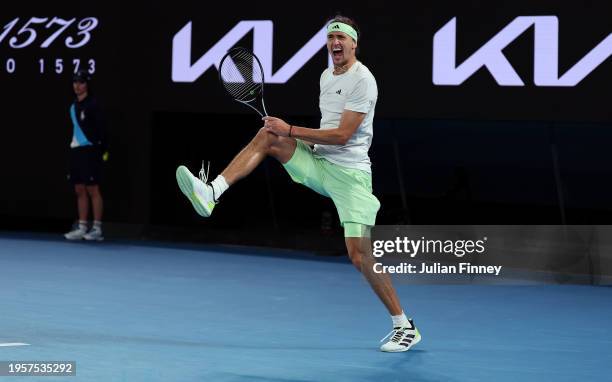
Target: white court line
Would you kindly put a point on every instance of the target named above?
(5, 344)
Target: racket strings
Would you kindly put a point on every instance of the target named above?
(247, 91)
(244, 70)
(240, 90)
(239, 77)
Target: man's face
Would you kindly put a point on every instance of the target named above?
(79, 87)
(341, 47)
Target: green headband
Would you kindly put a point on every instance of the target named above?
(342, 27)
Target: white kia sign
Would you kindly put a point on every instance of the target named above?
(490, 55)
(183, 70)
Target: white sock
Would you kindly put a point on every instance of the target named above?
(97, 224)
(219, 185)
(399, 320)
(83, 225)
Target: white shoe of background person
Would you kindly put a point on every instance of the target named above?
(94, 234)
(76, 234)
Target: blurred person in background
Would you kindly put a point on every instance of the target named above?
(88, 152)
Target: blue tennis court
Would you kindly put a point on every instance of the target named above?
(130, 311)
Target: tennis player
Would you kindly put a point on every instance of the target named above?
(332, 160)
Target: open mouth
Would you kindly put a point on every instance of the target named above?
(337, 52)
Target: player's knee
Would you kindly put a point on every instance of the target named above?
(261, 132)
(272, 144)
(275, 149)
(264, 138)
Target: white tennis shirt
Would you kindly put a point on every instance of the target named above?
(354, 90)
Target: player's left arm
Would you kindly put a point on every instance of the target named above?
(349, 122)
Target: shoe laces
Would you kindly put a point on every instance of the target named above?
(396, 334)
(203, 175)
(392, 333)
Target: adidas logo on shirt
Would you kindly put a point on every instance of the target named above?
(339, 91)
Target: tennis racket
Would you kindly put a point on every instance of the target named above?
(242, 76)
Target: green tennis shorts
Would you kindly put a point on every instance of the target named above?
(350, 189)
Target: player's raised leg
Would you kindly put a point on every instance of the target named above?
(204, 196)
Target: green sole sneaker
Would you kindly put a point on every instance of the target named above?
(202, 201)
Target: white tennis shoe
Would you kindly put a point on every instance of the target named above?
(199, 193)
(402, 338)
(76, 234)
(94, 234)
